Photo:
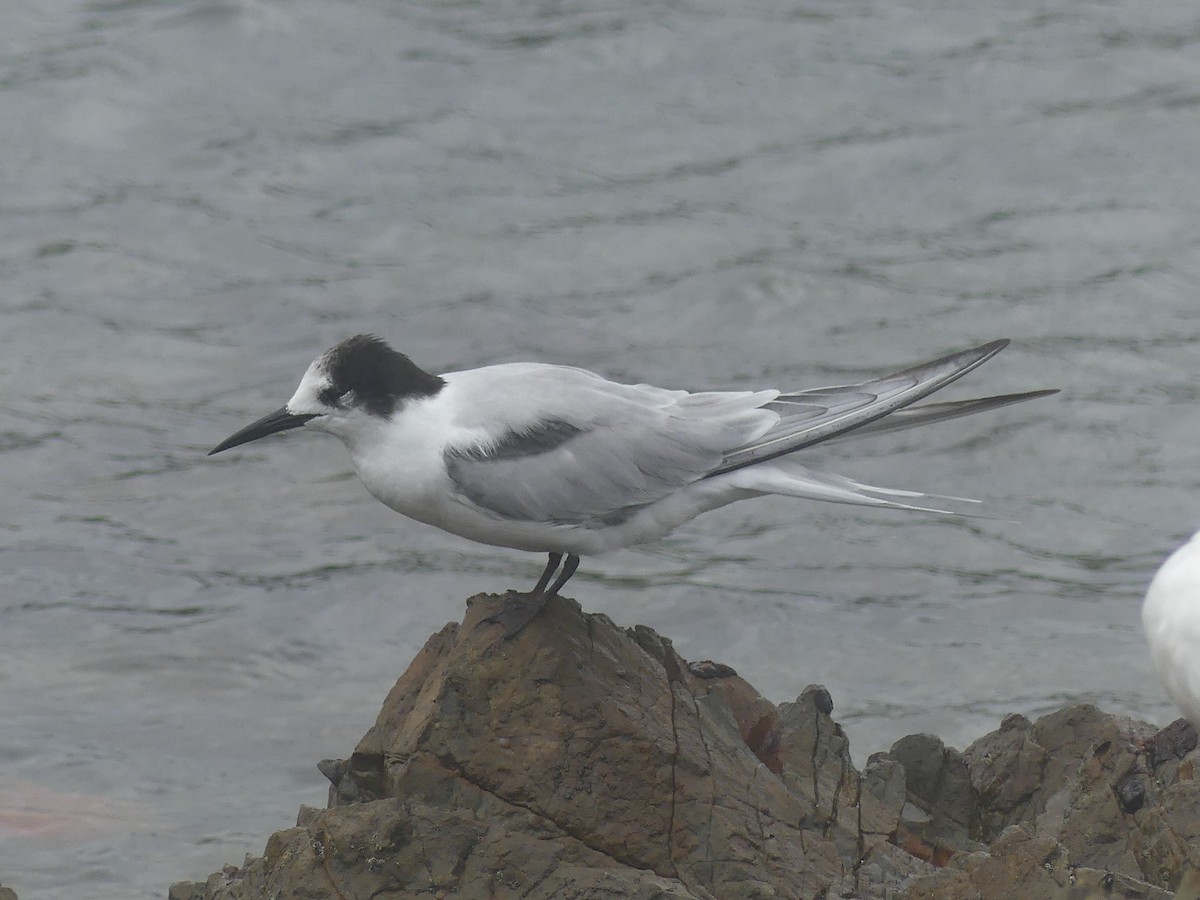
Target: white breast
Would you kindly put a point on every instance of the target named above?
(401, 462)
(400, 459)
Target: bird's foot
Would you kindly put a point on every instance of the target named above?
(518, 611)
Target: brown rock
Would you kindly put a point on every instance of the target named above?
(1175, 741)
(1080, 776)
(945, 884)
(583, 761)
(1007, 769)
(577, 760)
(1026, 866)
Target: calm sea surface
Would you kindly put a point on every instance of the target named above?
(196, 198)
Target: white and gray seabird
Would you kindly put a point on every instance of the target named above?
(560, 460)
(1171, 617)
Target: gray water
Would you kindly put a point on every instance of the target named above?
(196, 198)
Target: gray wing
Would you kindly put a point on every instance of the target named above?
(591, 451)
(810, 417)
(587, 450)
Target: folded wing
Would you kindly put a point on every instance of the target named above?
(592, 452)
(597, 451)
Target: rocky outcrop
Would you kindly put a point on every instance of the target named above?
(1078, 799)
(581, 760)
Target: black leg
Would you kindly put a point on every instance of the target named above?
(565, 575)
(555, 559)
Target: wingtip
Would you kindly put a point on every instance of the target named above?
(991, 348)
(962, 362)
(1034, 395)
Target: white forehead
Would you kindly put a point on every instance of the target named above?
(316, 379)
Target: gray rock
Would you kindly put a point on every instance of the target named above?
(942, 808)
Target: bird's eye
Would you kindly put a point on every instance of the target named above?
(330, 397)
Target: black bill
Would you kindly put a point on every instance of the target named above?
(280, 420)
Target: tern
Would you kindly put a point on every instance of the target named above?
(562, 461)
(1171, 618)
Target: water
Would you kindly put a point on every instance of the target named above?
(196, 198)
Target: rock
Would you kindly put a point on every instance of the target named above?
(706, 668)
(7, 893)
(1028, 866)
(1175, 741)
(580, 760)
(941, 814)
(576, 760)
(1081, 777)
(1080, 811)
(185, 890)
(884, 794)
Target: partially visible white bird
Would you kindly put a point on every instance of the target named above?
(562, 461)
(1171, 617)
